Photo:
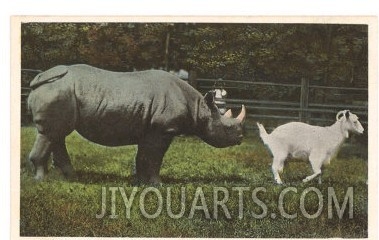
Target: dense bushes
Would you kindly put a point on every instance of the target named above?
(328, 54)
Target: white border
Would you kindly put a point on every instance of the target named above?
(194, 7)
(146, 8)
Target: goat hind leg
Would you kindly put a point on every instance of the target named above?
(277, 166)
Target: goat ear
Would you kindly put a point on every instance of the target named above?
(339, 115)
(347, 114)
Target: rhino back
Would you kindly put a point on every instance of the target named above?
(117, 108)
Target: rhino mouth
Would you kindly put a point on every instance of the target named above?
(232, 142)
(239, 139)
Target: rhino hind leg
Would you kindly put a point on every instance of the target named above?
(40, 155)
(149, 158)
(62, 159)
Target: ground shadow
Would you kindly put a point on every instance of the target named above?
(91, 177)
(203, 180)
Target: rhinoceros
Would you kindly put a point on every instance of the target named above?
(147, 108)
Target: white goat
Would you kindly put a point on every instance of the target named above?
(301, 140)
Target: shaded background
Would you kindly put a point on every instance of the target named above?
(329, 54)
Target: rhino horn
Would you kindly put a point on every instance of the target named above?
(242, 115)
(228, 114)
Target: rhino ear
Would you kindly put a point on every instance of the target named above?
(209, 98)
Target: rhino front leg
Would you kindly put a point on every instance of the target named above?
(62, 159)
(149, 158)
(40, 154)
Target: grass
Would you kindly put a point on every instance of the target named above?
(56, 207)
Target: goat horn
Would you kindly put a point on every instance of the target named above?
(338, 117)
(228, 114)
(242, 115)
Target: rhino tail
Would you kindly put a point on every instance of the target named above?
(48, 76)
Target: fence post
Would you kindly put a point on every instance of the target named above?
(192, 78)
(304, 97)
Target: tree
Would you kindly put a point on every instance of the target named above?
(328, 54)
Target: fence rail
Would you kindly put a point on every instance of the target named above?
(302, 110)
(272, 110)
(252, 83)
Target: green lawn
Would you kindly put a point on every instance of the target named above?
(56, 207)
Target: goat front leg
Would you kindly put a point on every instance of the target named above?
(320, 178)
(316, 167)
(311, 177)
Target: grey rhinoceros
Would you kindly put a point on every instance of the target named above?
(147, 108)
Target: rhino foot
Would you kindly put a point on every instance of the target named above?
(143, 182)
(40, 173)
(70, 175)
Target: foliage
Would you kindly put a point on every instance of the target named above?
(329, 54)
(56, 207)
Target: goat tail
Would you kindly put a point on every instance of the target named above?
(262, 132)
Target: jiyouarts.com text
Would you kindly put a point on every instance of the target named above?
(221, 202)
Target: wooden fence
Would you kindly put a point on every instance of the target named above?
(304, 110)
(272, 111)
